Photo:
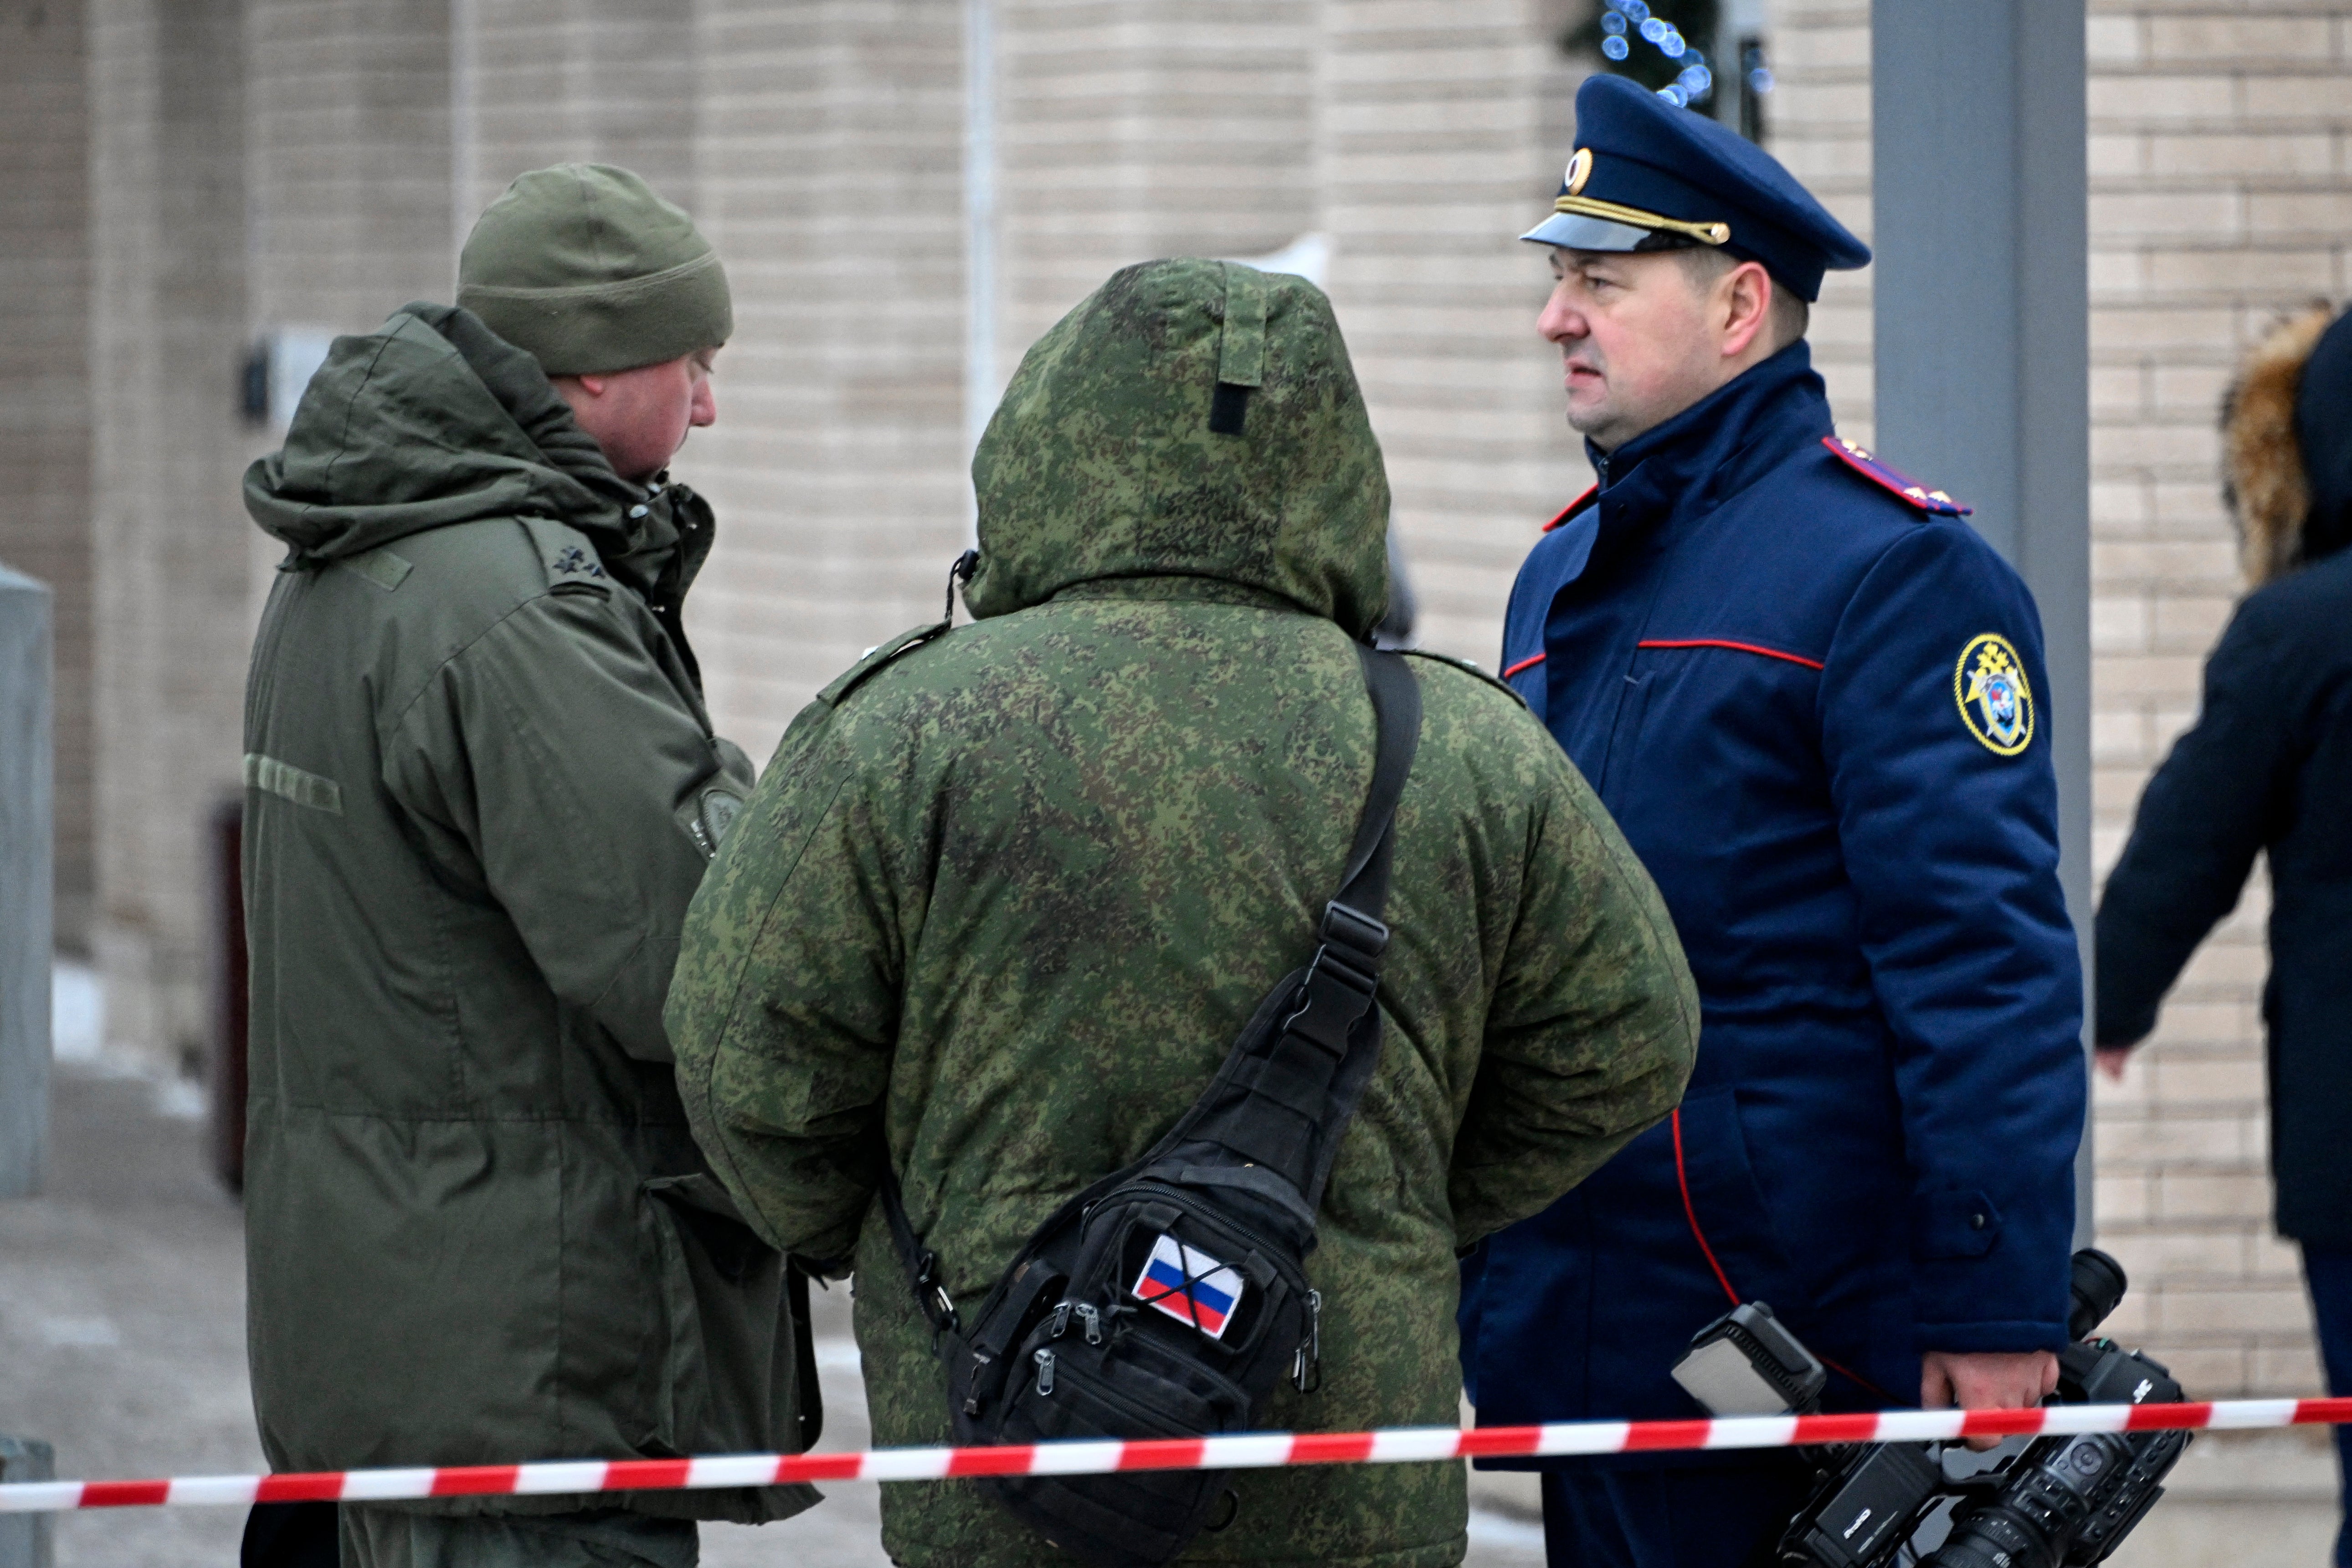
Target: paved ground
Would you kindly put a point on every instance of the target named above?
(122, 1343)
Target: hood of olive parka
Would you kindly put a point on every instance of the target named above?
(434, 419)
(1102, 464)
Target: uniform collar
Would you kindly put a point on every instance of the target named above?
(1716, 447)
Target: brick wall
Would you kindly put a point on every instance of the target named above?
(1137, 130)
(829, 176)
(2220, 196)
(167, 329)
(1442, 133)
(553, 81)
(350, 210)
(1817, 121)
(45, 386)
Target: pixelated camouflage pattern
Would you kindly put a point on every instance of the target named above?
(1102, 445)
(1007, 892)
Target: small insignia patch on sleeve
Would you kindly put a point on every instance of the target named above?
(1934, 502)
(1996, 701)
(572, 559)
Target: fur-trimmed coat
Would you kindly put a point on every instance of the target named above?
(2267, 767)
(2263, 477)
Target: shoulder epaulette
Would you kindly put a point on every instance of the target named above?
(1572, 509)
(567, 557)
(1471, 667)
(877, 656)
(1902, 484)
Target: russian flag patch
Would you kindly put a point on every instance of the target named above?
(1190, 1286)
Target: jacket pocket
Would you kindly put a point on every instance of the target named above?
(723, 1371)
(670, 1380)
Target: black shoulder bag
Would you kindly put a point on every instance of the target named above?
(1169, 1298)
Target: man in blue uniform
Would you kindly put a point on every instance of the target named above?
(1813, 698)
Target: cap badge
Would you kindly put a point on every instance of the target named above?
(1995, 699)
(1580, 170)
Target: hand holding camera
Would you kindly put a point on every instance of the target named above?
(2060, 1503)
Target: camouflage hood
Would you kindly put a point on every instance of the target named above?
(1188, 419)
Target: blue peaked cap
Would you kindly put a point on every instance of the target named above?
(1650, 175)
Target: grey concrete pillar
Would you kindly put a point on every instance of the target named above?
(25, 1538)
(26, 946)
(1982, 299)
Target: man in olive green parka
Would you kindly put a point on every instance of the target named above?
(481, 788)
(1008, 892)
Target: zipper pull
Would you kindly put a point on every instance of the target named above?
(1307, 1363)
(980, 1360)
(1061, 1320)
(1091, 1316)
(1044, 1371)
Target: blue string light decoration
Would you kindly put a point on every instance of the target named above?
(1652, 43)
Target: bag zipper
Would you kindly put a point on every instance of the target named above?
(1139, 1416)
(1088, 1314)
(1307, 1363)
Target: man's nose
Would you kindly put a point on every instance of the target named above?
(705, 405)
(1559, 319)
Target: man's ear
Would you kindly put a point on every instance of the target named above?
(1744, 306)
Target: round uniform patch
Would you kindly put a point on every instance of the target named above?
(1995, 699)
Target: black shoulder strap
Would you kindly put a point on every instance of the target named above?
(1282, 1100)
(1396, 715)
(1285, 1093)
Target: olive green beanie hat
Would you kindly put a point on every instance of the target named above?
(582, 266)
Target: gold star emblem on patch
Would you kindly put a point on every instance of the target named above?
(1995, 699)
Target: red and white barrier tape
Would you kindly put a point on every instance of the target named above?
(1257, 1451)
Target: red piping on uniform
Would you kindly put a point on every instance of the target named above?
(1529, 663)
(1572, 509)
(1690, 1212)
(1737, 647)
(1682, 1179)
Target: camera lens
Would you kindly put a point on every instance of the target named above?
(1992, 1539)
(2096, 1286)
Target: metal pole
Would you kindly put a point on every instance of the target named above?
(26, 946)
(1982, 308)
(25, 1539)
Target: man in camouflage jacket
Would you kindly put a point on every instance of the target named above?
(1008, 892)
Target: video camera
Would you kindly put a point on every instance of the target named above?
(2061, 1503)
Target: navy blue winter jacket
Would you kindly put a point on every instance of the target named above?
(1813, 698)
